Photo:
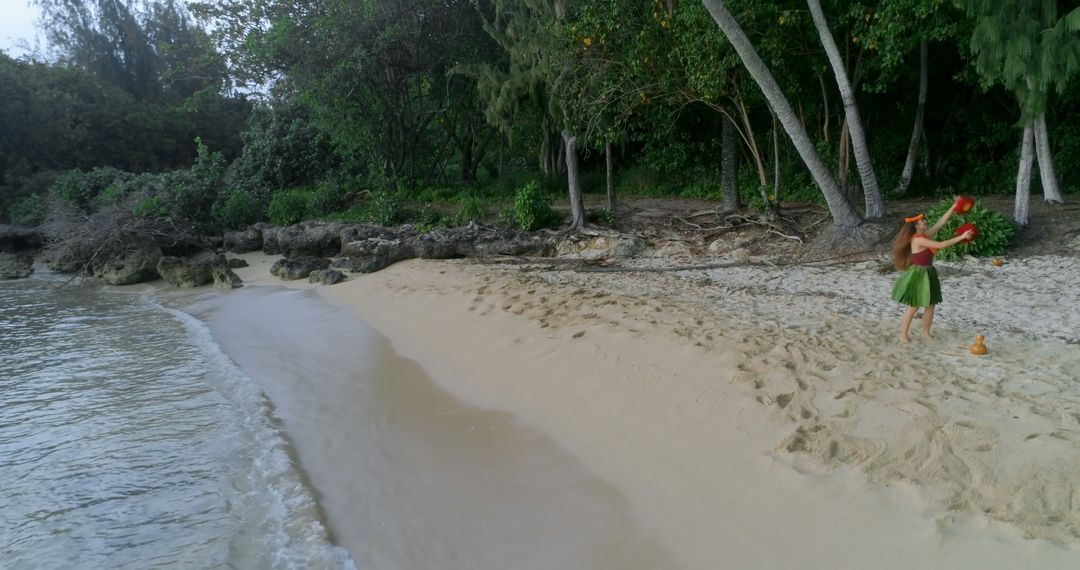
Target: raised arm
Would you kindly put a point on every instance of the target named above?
(940, 223)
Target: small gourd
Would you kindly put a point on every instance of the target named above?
(978, 349)
(998, 262)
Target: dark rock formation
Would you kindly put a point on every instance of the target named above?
(326, 277)
(225, 278)
(191, 271)
(243, 241)
(128, 265)
(298, 267)
(236, 263)
(15, 265)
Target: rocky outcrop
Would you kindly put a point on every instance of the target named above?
(306, 239)
(601, 246)
(225, 278)
(244, 241)
(294, 268)
(15, 265)
(128, 265)
(370, 248)
(326, 277)
(14, 239)
(236, 263)
(191, 271)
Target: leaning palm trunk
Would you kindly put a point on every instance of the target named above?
(916, 133)
(1023, 178)
(843, 214)
(875, 208)
(728, 163)
(577, 207)
(1051, 192)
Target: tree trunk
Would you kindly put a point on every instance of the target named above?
(843, 214)
(751, 144)
(776, 162)
(916, 133)
(825, 108)
(577, 207)
(1023, 178)
(875, 207)
(610, 176)
(728, 161)
(1051, 192)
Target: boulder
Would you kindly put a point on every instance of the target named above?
(244, 241)
(305, 239)
(600, 246)
(14, 239)
(225, 278)
(15, 265)
(236, 263)
(190, 271)
(326, 277)
(375, 253)
(127, 266)
(294, 268)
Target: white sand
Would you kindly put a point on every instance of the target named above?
(765, 418)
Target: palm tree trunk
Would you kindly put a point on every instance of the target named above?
(916, 133)
(728, 162)
(610, 174)
(843, 214)
(1023, 178)
(577, 207)
(875, 207)
(1051, 192)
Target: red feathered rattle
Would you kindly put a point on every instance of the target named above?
(974, 232)
(964, 204)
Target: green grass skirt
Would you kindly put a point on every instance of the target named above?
(918, 287)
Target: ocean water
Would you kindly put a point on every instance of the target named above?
(129, 439)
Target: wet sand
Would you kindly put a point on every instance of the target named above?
(762, 417)
(408, 476)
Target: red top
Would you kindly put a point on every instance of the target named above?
(924, 258)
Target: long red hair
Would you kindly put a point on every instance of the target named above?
(901, 249)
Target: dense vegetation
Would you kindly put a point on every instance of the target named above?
(447, 111)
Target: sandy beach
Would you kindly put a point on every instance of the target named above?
(765, 417)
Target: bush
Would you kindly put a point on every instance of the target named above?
(82, 189)
(329, 197)
(472, 208)
(385, 209)
(532, 208)
(155, 207)
(238, 210)
(288, 207)
(996, 232)
(28, 210)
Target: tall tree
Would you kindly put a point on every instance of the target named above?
(843, 214)
(1026, 47)
(875, 208)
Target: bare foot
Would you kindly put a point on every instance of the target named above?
(905, 339)
(927, 335)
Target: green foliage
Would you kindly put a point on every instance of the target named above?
(996, 232)
(532, 208)
(327, 198)
(288, 207)
(28, 210)
(386, 209)
(471, 209)
(153, 207)
(237, 210)
(82, 189)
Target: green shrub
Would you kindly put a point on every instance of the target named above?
(996, 232)
(28, 210)
(386, 209)
(153, 207)
(506, 217)
(532, 208)
(82, 189)
(327, 198)
(471, 209)
(238, 210)
(288, 207)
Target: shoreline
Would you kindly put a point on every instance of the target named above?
(709, 469)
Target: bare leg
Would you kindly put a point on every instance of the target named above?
(927, 320)
(906, 324)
